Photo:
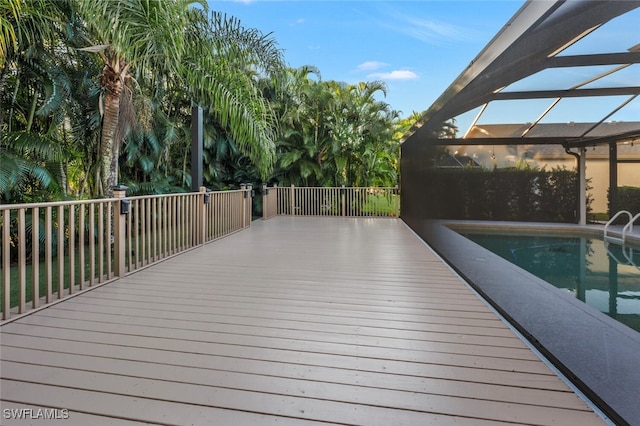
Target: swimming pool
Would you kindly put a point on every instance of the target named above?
(605, 277)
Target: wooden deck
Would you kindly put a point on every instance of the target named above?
(295, 321)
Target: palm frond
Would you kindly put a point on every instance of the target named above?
(14, 171)
(42, 147)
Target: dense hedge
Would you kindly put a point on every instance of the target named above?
(628, 199)
(503, 194)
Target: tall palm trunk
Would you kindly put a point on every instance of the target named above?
(113, 76)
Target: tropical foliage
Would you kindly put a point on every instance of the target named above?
(335, 134)
(96, 93)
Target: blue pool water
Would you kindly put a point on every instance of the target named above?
(603, 276)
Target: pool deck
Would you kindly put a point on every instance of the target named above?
(597, 352)
(293, 321)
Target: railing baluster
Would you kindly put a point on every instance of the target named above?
(72, 248)
(91, 242)
(193, 222)
(228, 218)
(217, 214)
(22, 262)
(154, 230)
(158, 232)
(179, 228)
(6, 271)
(143, 233)
(81, 249)
(148, 238)
(172, 218)
(100, 242)
(164, 227)
(186, 219)
(129, 245)
(60, 251)
(109, 237)
(136, 233)
(35, 257)
(187, 222)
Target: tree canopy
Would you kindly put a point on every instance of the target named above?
(95, 93)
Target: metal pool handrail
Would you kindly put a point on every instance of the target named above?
(611, 239)
(629, 227)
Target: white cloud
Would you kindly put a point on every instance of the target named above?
(394, 75)
(434, 32)
(371, 65)
(428, 31)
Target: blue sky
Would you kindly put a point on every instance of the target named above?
(416, 47)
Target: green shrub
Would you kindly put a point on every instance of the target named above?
(628, 199)
(503, 194)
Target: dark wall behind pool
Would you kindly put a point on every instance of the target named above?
(432, 188)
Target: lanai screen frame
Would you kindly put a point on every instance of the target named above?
(529, 43)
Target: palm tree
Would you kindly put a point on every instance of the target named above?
(130, 35)
(169, 42)
(226, 66)
(362, 129)
(308, 114)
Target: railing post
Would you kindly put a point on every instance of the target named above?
(119, 227)
(276, 203)
(397, 202)
(265, 201)
(343, 202)
(249, 213)
(243, 188)
(291, 199)
(204, 198)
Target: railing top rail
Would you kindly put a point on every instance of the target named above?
(55, 203)
(227, 191)
(173, 195)
(334, 187)
(103, 200)
(181, 194)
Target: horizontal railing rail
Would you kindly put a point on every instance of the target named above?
(54, 250)
(333, 201)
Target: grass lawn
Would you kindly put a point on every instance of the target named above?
(380, 205)
(42, 275)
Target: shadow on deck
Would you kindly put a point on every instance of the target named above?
(294, 321)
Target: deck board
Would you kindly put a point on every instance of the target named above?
(344, 321)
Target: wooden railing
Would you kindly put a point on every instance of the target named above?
(343, 201)
(54, 250)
